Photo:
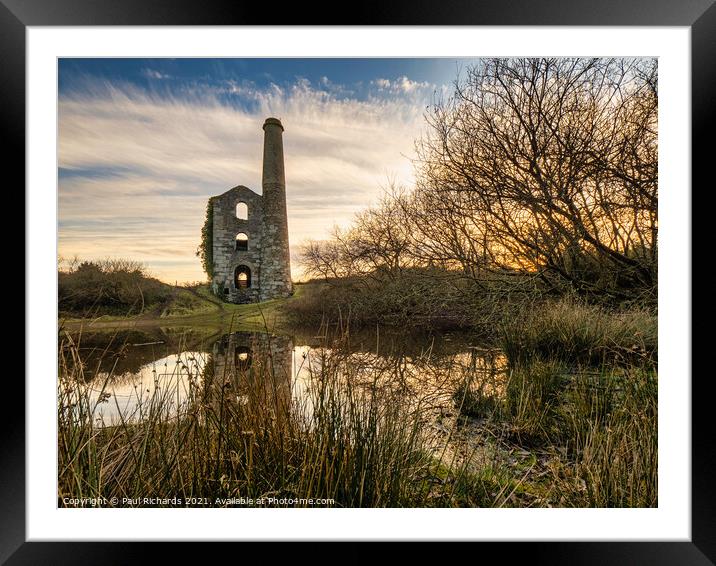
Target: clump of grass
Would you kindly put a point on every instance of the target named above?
(616, 447)
(490, 485)
(479, 393)
(475, 401)
(571, 331)
(604, 422)
(531, 400)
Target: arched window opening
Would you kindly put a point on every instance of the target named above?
(242, 211)
(242, 277)
(242, 242)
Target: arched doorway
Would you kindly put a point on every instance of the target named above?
(242, 277)
(242, 358)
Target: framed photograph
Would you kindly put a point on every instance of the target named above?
(404, 278)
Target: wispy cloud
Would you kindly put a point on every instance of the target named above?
(154, 74)
(138, 165)
(402, 85)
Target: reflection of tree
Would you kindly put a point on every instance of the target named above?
(406, 369)
(257, 369)
(387, 341)
(125, 352)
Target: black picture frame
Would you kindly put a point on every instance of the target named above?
(698, 15)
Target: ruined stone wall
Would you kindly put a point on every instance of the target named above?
(226, 257)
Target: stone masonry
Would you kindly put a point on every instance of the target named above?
(256, 266)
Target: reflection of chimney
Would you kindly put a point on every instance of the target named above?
(275, 258)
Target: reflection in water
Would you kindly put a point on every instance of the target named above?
(420, 382)
(167, 382)
(251, 369)
(273, 373)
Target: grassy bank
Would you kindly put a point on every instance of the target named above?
(524, 324)
(191, 306)
(119, 293)
(573, 331)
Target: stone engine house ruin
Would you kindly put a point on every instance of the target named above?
(251, 260)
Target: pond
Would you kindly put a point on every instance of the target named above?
(126, 372)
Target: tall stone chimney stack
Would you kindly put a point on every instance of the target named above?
(275, 256)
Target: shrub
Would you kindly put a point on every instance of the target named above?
(429, 299)
(205, 250)
(109, 287)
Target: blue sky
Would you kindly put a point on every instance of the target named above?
(356, 76)
(144, 142)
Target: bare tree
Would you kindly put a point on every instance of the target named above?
(545, 168)
(554, 164)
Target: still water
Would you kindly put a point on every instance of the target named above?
(126, 372)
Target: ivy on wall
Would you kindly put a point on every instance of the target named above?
(205, 250)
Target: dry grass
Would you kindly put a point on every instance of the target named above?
(571, 331)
